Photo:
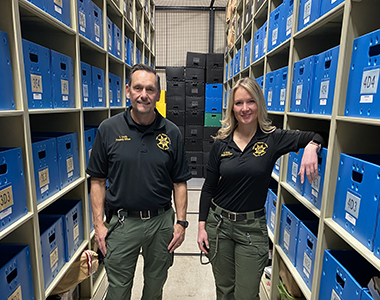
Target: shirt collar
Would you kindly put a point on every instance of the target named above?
(159, 121)
(258, 136)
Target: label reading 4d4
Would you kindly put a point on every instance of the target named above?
(370, 80)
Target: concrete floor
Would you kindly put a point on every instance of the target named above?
(187, 279)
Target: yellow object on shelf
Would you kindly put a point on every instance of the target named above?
(161, 107)
(162, 97)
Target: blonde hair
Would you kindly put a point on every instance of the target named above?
(230, 122)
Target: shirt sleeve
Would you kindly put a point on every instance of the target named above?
(98, 163)
(180, 172)
(293, 140)
(210, 184)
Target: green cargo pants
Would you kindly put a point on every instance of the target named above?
(123, 248)
(242, 255)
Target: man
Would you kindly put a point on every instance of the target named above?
(142, 155)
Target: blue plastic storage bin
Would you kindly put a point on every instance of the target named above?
(59, 10)
(325, 68)
(292, 177)
(52, 246)
(287, 19)
(84, 18)
(7, 100)
(260, 81)
(275, 35)
(270, 90)
(46, 169)
(214, 90)
(313, 191)
(68, 155)
(63, 80)
(37, 75)
(12, 187)
(72, 214)
(39, 3)
(247, 54)
(308, 13)
(306, 249)
(264, 42)
(357, 196)
(257, 43)
(114, 90)
(303, 76)
(232, 67)
(16, 280)
(291, 216)
(281, 86)
(344, 275)
(237, 62)
(327, 5)
(116, 41)
(276, 168)
(86, 77)
(89, 137)
(110, 36)
(97, 21)
(226, 71)
(98, 96)
(272, 204)
(363, 96)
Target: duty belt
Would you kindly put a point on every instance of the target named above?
(141, 214)
(234, 216)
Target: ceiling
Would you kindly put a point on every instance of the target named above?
(196, 3)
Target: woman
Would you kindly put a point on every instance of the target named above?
(232, 228)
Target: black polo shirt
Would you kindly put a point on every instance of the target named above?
(141, 166)
(238, 180)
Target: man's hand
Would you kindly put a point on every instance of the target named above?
(178, 238)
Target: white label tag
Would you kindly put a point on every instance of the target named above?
(256, 51)
(37, 96)
(5, 213)
(58, 9)
(100, 92)
(17, 295)
(366, 98)
(334, 296)
(307, 11)
(322, 102)
(333, 1)
(110, 94)
(76, 232)
(306, 265)
(36, 82)
(299, 91)
(324, 89)
(294, 171)
(314, 193)
(350, 219)
(82, 21)
(44, 189)
(315, 184)
(64, 87)
(265, 45)
(370, 80)
(272, 218)
(283, 94)
(270, 98)
(286, 239)
(289, 23)
(274, 36)
(69, 164)
(54, 258)
(97, 32)
(352, 204)
(85, 91)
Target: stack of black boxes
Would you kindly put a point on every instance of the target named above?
(186, 98)
(195, 108)
(175, 95)
(213, 102)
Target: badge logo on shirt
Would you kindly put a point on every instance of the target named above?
(259, 149)
(163, 141)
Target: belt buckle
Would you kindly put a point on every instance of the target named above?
(230, 214)
(145, 218)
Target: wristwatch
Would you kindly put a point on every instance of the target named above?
(184, 224)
